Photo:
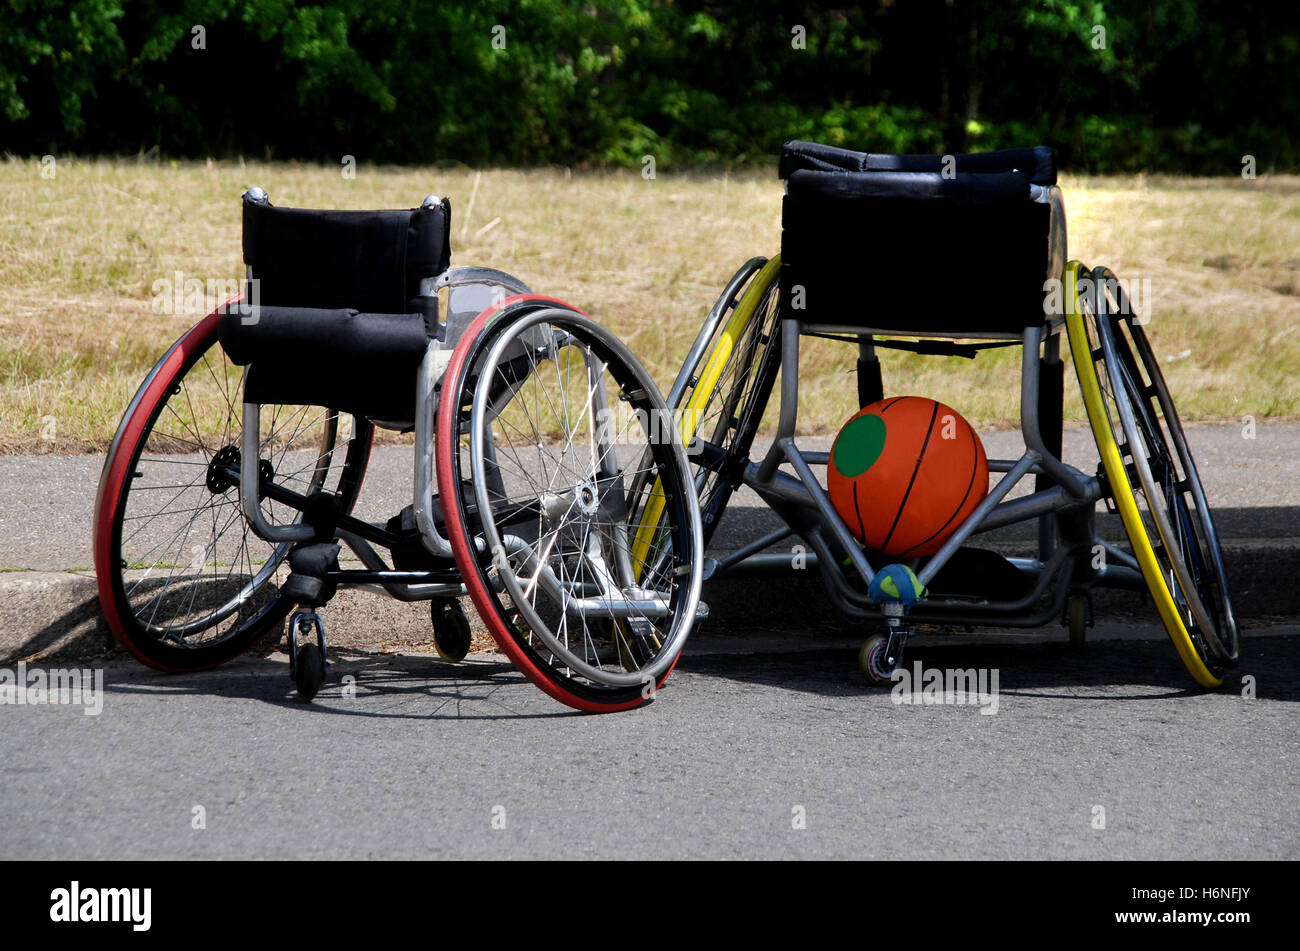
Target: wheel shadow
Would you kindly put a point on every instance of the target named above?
(1103, 670)
(371, 686)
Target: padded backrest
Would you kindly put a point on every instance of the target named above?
(369, 261)
(1038, 163)
(914, 244)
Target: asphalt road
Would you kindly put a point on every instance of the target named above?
(778, 753)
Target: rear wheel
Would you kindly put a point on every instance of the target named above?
(552, 432)
(183, 582)
(1153, 478)
(721, 395)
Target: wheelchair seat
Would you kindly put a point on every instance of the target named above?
(340, 310)
(954, 246)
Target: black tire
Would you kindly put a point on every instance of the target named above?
(161, 500)
(1162, 476)
(451, 631)
(309, 671)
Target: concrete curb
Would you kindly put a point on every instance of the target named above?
(46, 615)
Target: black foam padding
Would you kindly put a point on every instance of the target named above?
(896, 244)
(370, 261)
(358, 363)
(308, 565)
(871, 388)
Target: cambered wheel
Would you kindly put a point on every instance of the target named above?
(183, 582)
(722, 394)
(561, 444)
(1153, 477)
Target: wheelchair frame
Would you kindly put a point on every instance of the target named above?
(1063, 502)
(489, 355)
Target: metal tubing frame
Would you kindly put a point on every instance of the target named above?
(250, 480)
(1073, 487)
(434, 543)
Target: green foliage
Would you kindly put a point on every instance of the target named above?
(1185, 85)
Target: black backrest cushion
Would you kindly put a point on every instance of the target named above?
(370, 261)
(1038, 164)
(893, 243)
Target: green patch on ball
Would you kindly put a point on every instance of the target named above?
(859, 445)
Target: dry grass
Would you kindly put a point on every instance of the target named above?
(79, 255)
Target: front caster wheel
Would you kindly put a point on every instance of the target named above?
(307, 658)
(451, 634)
(309, 671)
(1078, 619)
(872, 661)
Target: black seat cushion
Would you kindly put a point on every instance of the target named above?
(905, 244)
(370, 261)
(359, 363)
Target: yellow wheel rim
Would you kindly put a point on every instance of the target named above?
(700, 397)
(1125, 501)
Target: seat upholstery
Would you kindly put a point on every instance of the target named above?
(371, 261)
(338, 320)
(360, 363)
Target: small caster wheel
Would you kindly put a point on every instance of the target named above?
(871, 660)
(309, 671)
(451, 633)
(1077, 618)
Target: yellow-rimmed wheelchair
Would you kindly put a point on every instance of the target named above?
(950, 255)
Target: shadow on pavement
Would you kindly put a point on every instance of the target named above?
(1128, 669)
(387, 679)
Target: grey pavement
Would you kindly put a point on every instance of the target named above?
(773, 754)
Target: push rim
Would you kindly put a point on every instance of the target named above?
(518, 635)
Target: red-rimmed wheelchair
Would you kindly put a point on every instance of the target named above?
(546, 487)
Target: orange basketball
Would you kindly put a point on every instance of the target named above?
(904, 472)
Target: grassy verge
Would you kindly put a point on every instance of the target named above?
(80, 255)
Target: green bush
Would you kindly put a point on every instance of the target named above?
(1174, 84)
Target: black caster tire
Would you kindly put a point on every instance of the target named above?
(309, 671)
(1077, 610)
(451, 633)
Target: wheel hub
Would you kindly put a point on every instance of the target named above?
(219, 479)
(586, 499)
(228, 459)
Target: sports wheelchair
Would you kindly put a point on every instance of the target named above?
(955, 251)
(544, 487)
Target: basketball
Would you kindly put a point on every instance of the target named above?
(904, 472)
